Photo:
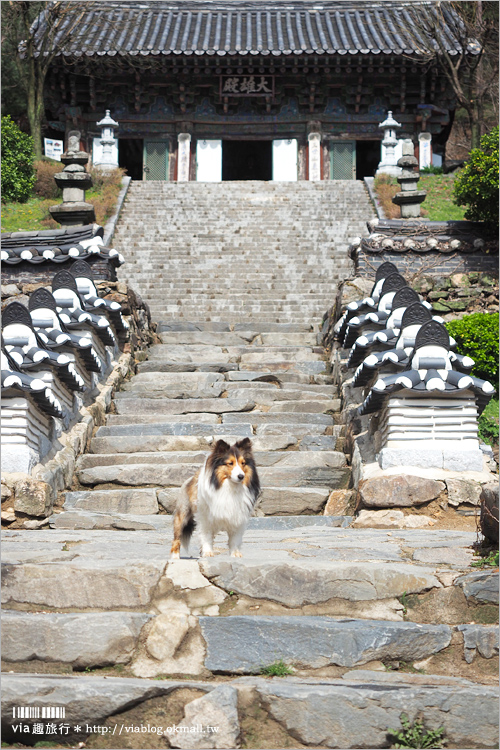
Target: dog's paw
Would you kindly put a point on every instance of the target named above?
(236, 553)
(175, 556)
(207, 553)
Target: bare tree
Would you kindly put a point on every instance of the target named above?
(36, 32)
(461, 38)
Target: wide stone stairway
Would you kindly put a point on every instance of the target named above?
(363, 624)
(239, 251)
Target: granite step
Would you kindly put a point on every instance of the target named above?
(133, 444)
(263, 459)
(143, 501)
(333, 474)
(288, 703)
(314, 569)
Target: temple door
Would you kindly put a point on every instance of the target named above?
(209, 161)
(285, 160)
(155, 160)
(342, 160)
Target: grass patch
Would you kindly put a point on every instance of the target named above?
(415, 735)
(28, 217)
(438, 204)
(276, 669)
(34, 214)
(489, 561)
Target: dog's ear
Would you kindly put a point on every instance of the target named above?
(220, 447)
(245, 445)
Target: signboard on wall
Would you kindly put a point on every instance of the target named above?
(53, 149)
(246, 85)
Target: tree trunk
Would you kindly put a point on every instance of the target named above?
(475, 128)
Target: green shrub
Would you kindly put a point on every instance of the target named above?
(18, 174)
(477, 336)
(477, 184)
(488, 423)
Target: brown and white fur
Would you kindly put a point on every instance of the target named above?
(220, 497)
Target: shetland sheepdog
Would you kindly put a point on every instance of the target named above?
(220, 497)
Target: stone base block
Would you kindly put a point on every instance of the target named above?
(432, 458)
(19, 458)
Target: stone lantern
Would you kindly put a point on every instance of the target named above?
(388, 164)
(109, 155)
(73, 181)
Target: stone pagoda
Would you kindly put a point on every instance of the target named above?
(74, 181)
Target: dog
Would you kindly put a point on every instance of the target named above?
(221, 496)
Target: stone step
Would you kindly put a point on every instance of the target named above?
(262, 458)
(310, 570)
(155, 386)
(133, 444)
(332, 473)
(113, 521)
(285, 703)
(164, 406)
(177, 325)
(274, 500)
(309, 368)
(181, 428)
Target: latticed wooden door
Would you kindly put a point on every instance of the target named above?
(342, 160)
(155, 160)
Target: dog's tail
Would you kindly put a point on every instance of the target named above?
(184, 523)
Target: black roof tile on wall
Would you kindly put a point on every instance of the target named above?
(230, 27)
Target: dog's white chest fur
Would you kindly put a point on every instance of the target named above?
(226, 508)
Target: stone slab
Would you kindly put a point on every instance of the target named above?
(183, 367)
(219, 709)
(468, 713)
(265, 418)
(246, 644)
(82, 639)
(318, 443)
(138, 501)
(482, 639)
(160, 406)
(180, 428)
(139, 417)
(295, 583)
(398, 491)
(292, 500)
(481, 585)
(137, 475)
(162, 443)
(86, 699)
(310, 407)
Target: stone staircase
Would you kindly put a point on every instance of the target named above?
(239, 251)
(368, 623)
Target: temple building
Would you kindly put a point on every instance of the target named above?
(213, 90)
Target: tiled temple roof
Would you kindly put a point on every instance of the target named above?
(249, 28)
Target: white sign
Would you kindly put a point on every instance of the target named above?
(184, 153)
(209, 161)
(424, 150)
(314, 156)
(53, 149)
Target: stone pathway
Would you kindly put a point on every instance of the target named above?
(369, 623)
(341, 606)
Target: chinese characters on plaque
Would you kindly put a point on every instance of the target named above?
(247, 85)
